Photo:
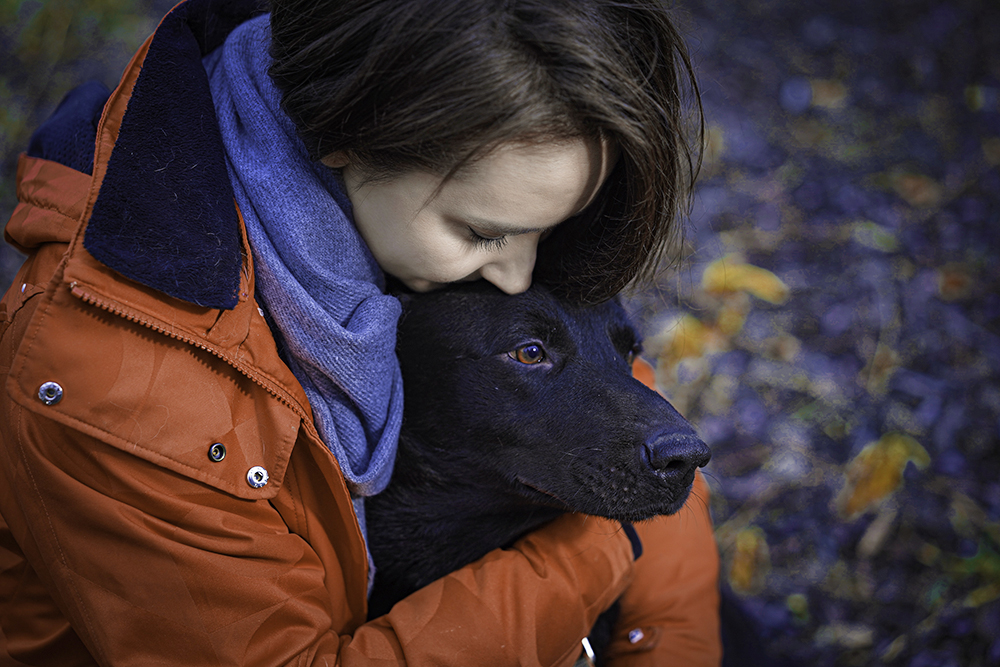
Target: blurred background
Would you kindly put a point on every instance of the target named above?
(834, 331)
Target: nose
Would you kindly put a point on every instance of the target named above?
(675, 456)
(511, 269)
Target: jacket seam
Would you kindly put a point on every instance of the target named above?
(31, 291)
(52, 208)
(70, 584)
(291, 485)
(229, 488)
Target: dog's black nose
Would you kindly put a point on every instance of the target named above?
(675, 455)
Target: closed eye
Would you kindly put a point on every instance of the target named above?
(487, 242)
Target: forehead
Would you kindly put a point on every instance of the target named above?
(535, 184)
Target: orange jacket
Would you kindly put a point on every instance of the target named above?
(123, 542)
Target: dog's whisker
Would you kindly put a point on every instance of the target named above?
(710, 474)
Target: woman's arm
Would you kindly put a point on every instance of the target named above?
(529, 605)
(151, 567)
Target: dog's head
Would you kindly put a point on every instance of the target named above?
(535, 399)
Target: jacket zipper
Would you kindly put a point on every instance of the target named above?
(131, 316)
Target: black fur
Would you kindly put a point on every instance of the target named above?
(492, 448)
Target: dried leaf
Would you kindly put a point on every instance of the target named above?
(685, 337)
(877, 471)
(917, 189)
(895, 648)
(875, 536)
(784, 347)
(828, 94)
(715, 144)
(954, 281)
(983, 595)
(798, 605)
(729, 275)
(845, 635)
(928, 554)
(811, 132)
(982, 98)
(751, 561)
(883, 365)
(731, 317)
(872, 235)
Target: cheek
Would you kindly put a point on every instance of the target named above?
(436, 252)
(440, 264)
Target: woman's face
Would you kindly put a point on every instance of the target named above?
(484, 222)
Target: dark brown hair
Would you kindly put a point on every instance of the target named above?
(429, 85)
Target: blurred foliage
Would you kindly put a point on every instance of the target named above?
(47, 48)
(838, 319)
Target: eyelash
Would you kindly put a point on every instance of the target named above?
(485, 242)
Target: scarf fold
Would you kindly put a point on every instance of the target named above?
(315, 275)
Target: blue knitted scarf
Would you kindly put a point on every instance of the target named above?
(315, 276)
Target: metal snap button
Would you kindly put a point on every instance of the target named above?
(256, 477)
(50, 393)
(217, 452)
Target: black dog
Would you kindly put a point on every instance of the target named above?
(517, 409)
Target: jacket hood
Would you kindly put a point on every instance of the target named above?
(165, 216)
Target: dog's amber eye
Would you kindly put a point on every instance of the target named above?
(528, 354)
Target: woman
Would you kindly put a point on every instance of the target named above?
(201, 388)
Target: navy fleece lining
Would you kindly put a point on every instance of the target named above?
(165, 216)
(67, 137)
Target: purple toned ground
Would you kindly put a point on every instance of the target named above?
(853, 152)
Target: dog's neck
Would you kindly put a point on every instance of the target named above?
(421, 513)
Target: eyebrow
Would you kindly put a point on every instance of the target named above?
(500, 229)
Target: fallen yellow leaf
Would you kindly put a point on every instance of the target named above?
(873, 235)
(877, 472)
(883, 365)
(955, 281)
(980, 97)
(684, 338)
(729, 275)
(828, 94)
(751, 561)
(732, 316)
(715, 143)
(917, 189)
(983, 595)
